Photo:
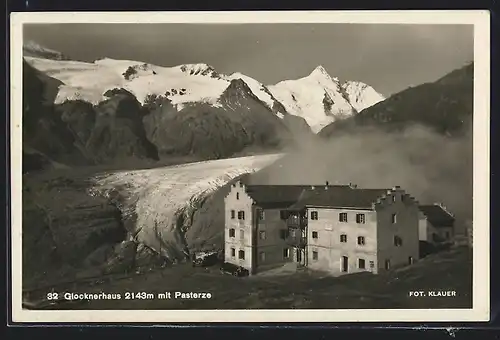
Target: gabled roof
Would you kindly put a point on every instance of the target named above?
(437, 216)
(339, 197)
(279, 196)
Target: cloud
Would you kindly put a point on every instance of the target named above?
(429, 166)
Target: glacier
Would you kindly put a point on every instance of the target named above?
(157, 204)
(89, 81)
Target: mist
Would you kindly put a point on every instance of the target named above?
(429, 166)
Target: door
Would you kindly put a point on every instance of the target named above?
(387, 264)
(345, 264)
(299, 255)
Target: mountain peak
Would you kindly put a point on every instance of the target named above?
(33, 49)
(361, 95)
(321, 73)
(199, 69)
(320, 69)
(237, 89)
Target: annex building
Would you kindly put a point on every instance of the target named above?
(338, 229)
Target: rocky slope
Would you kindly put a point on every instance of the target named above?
(445, 105)
(63, 225)
(44, 135)
(239, 121)
(76, 132)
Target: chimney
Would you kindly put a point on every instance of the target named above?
(352, 186)
(326, 185)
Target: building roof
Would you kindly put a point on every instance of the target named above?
(279, 196)
(339, 197)
(437, 215)
(275, 196)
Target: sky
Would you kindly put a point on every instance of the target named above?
(389, 57)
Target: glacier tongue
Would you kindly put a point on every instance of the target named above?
(161, 200)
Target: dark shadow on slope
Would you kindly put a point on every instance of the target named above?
(445, 106)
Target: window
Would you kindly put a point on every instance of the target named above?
(293, 218)
(262, 235)
(284, 214)
(233, 214)
(345, 264)
(361, 264)
(447, 235)
(360, 218)
(314, 215)
(241, 185)
(242, 234)
(286, 253)
(314, 234)
(387, 264)
(315, 255)
(233, 252)
(231, 232)
(262, 256)
(393, 218)
(343, 238)
(241, 254)
(241, 215)
(435, 237)
(398, 241)
(291, 232)
(394, 198)
(361, 240)
(343, 217)
(237, 195)
(372, 264)
(410, 260)
(260, 214)
(283, 234)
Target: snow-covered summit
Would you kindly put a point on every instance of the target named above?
(198, 69)
(33, 49)
(361, 95)
(89, 81)
(318, 98)
(258, 89)
(320, 74)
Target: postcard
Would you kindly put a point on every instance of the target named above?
(287, 166)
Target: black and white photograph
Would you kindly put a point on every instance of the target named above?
(272, 166)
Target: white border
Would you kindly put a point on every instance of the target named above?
(481, 169)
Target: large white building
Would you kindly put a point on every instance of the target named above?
(337, 229)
